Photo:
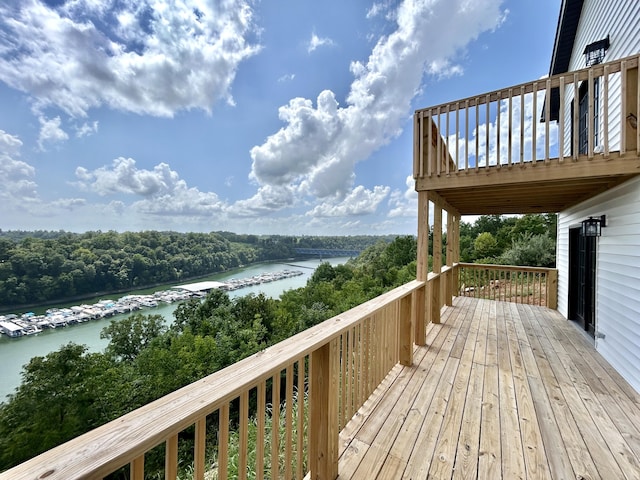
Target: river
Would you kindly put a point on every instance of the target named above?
(16, 352)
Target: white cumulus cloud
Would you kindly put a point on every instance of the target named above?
(162, 190)
(359, 201)
(316, 150)
(152, 57)
(51, 131)
(16, 176)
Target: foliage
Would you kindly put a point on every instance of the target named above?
(489, 238)
(485, 245)
(133, 334)
(531, 250)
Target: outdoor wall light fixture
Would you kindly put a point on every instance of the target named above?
(592, 227)
(632, 120)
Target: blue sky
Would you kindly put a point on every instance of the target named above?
(272, 117)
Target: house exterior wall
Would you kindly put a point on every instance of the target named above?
(617, 274)
(618, 250)
(622, 24)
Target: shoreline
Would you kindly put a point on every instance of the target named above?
(17, 326)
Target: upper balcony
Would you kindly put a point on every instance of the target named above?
(500, 152)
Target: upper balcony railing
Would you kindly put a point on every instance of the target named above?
(573, 116)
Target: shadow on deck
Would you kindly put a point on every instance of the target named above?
(501, 390)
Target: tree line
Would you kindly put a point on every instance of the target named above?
(43, 266)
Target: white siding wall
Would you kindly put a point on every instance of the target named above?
(617, 277)
(618, 254)
(621, 21)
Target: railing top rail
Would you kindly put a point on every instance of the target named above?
(510, 268)
(105, 449)
(582, 74)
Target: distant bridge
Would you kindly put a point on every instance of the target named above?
(326, 252)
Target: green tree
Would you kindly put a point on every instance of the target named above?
(485, 245)
(128, 337)
(55, 402)
(531, 250)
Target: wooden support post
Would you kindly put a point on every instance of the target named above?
(419, 315)
(437, 238)
(435, 284)
(552, 289)
(323, 431)
(406, 331)
(422, 269)
(451, 234)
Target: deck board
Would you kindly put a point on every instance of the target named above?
(500, 391)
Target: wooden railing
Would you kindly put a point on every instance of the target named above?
(336, 365)
(531, 285)
(502, 128)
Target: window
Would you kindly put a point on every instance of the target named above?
(594, 52)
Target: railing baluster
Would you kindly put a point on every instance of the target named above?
(605, 111)
(447, 154)
(466, 136)
(171, 458)
(623, 107)
(522, 127)
(199, 448)
(300, 446)
(547, 119)
(275, 425)
(260, 414)
(498, 129)
(421, 156)
(534, 123)
(487, 130)
(561, 119)
(430, 145)
(439, 152)
(343, 379)
(574, 130)
(590, 116)
(223, 445)
(244, 435)
(137, 468)
(349, 379)
(477, 133)
(637, 104)
(457, 136)
(288, 447)
(510, 139)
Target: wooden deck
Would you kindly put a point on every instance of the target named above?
(501, 390)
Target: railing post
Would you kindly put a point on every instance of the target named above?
(406, 331)
(552, 289)
(434, 298)
(419, 315)
(323, 411)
